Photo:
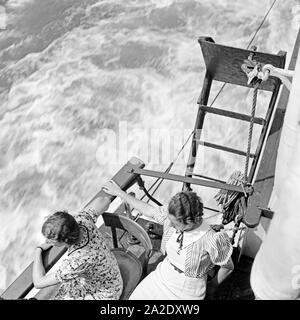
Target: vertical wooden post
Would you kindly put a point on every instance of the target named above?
(264, 131)
(203, 99)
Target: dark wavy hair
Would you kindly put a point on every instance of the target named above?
(62, 227)
(186, 207)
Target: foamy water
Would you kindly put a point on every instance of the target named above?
(70, 69)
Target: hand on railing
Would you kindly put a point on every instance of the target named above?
(112, 188)
(282, 74)
(45, 246)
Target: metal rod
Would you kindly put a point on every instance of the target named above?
(206, 177)
(188, 180)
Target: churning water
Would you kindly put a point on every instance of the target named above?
(70, 69)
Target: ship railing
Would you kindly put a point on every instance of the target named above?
(23, 284)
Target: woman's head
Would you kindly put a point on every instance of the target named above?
(185, 210)
(61, 228)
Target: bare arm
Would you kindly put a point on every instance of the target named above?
(99, 203)
(39, 277)
(223, 273)
(144, 208)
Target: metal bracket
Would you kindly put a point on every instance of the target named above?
(248, 189)
(267, 213)
(252, 69)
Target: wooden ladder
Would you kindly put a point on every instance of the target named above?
(223, 64)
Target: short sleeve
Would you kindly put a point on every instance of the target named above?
(220, 249)
(70, 269)
(161, 214)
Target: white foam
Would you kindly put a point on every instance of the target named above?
(68, 92)
(3, 18)
(18, 3)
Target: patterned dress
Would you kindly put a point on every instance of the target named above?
(183, 273)
(90, 272)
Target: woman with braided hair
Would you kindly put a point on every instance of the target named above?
(191, 248)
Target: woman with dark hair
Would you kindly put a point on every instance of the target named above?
(90, 270)
(191, 246)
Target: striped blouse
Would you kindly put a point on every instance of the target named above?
(212, 248)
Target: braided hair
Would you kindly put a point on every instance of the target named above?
(186, 207)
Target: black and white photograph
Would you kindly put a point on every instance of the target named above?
(149, 154)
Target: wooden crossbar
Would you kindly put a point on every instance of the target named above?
(223, 148)
(232, 114)
(178, 178)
